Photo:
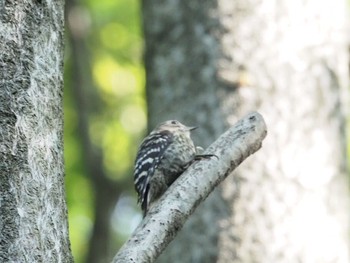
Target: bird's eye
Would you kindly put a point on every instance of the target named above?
(174, 122)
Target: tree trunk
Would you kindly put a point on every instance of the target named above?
(180, 56)
(33, 213)
(208, 63)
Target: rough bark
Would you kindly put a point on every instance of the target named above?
(167, 217)
(33, 213)
(209, 62)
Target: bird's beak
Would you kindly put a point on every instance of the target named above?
(192, 128)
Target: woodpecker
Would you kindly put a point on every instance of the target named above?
(162, 157)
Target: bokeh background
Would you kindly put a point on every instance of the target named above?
(106, 114)
(105, 120)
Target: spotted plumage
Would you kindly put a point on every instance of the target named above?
(162, 157)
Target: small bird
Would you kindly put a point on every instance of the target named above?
(162, 157)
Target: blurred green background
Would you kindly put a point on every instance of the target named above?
(105, 119)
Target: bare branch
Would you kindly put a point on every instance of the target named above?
(168, 215)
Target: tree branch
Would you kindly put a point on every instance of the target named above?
(169, 214)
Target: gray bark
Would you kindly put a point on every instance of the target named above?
(293, 204)
(167, 217)
(181, 52)
(208, 63)
(33, 213)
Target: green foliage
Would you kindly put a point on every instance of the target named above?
(115, 47)
(78, 187)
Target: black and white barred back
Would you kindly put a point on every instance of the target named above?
(161, 158)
